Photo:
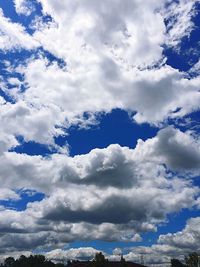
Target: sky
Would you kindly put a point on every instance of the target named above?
(99, 129)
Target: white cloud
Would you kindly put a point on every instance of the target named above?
(83, 253)
(56, 98)
(120, 33)
(23, 7)
(196, 68)
(172, 245)
(114, 59)
(106, 67)
(179, 16)
(187, 239)
(14, 36)
(109, 194)
(8, 194)
(180, 151)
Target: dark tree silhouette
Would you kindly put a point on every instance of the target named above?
(176, 263)
(99, 260)
(31, 261)
(192, 260)
(9, 262)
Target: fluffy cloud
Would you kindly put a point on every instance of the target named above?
(169, 246)
(117, 65)
(23, 7)
(178, 150)
(172, 245)
(14, 35)
(114, 59)
(120, 33)
(109, 194)
(84, 253)
(187, 239)
(55, 99)
(6, 194)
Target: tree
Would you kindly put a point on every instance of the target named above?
(176, 263)
(192, 260)
(123, 262)
(9, 262)
(99, 260)
(31, 261)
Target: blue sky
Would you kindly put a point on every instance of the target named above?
(99, 140)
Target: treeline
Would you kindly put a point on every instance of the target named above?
(31, 261)
(192, 260)
(40, 261)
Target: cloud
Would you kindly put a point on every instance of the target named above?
(113, 59)
(111, 194)
(83, 253)
(179, 21)
(118, 33)
(47, 107)
(171, 245)
(196, 68)
(187, 239)
(14, 36)
(19, 241)
(178, 150)
(7, 194)
(121, 66)
(23, 7)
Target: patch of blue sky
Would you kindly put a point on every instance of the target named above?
(190, 121)
(186, 55)
(20, 57)
(12, 59)
(26, 196)
(51, 58)
(10, 12)
(115, 127)
(175, 222)
(32, 148)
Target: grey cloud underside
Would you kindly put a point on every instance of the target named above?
(118, 176)
(115, 209)
(178, 155)
(12, 242)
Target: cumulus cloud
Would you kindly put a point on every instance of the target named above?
(113, 59)
(180, 151)
(14, 36)
(187, 239)
(118, 33)
(109, 194)
(171, 245)
(23, 7)
(47, 107)
(83, 253)
(117, 65)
